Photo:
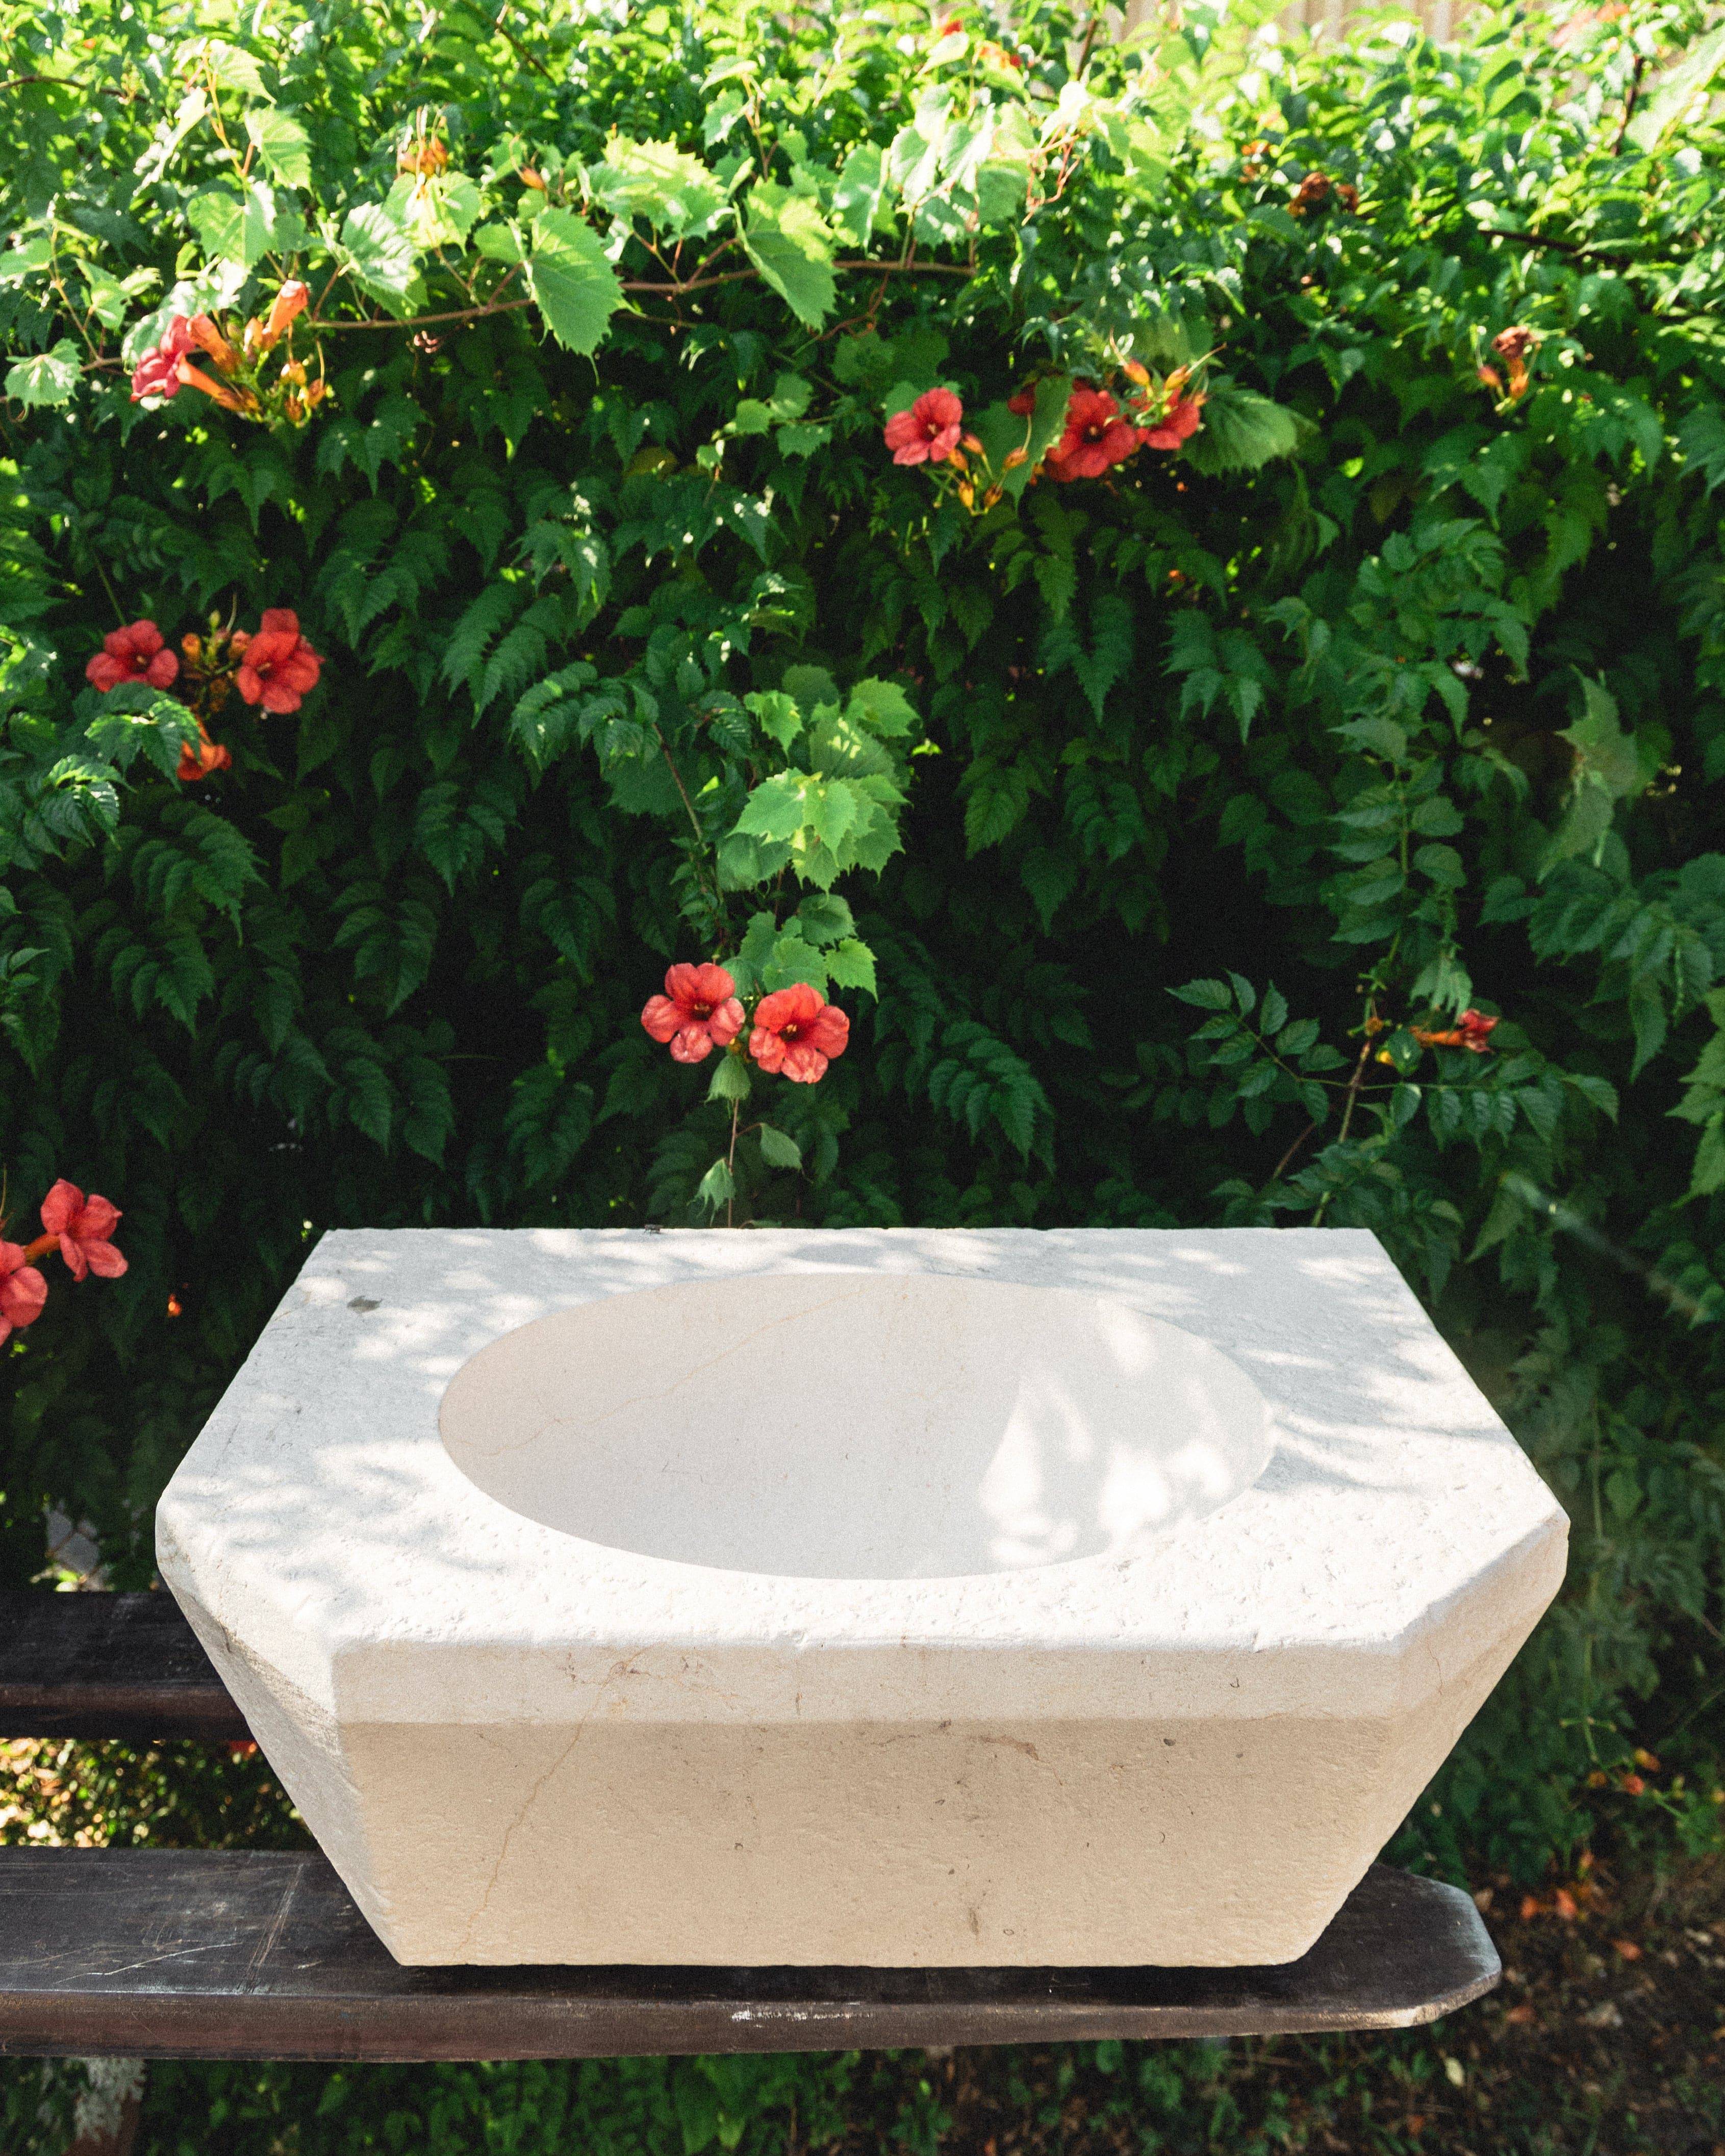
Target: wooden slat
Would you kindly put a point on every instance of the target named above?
(107, 1665)
(189, 1955)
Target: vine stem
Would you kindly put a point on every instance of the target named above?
(731, 1163)
(1629, 103)
(711, 884)
(673, 288)
(1354, 1084)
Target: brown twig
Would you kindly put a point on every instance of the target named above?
(655, 285)
(1275, 1174)
(531, 59)
(1354, 1084)
(1579, 247)
(1629, 103)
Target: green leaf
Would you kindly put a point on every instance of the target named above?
(232, 69)
(379, 257)
(717, 1188)
(282, 144)
(851, 964)
(883, 708)
(676, 194)
(1207, 995)
(244, 230)
(499, 242)
(776, 715)
(777, 1150)
(730, 1080)
(824, 919)
(1241, 430)
(791, 245)
(860, 198)
(577, 287)
(790, 961)
(46, 377)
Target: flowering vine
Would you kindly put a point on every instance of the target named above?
(792, 1033)
(273, 666)
(82, 1230)
(1092, 431)
(245, 385)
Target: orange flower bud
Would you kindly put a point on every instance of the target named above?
(208, 338)
(530, 177)
(292, 299)
(230, 399)
(192, 644)
(1014, 458)
(1135, 370)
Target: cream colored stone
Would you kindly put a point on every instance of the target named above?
(891, 1598)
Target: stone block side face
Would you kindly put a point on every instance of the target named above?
(302, 1741)
(1084, 1844)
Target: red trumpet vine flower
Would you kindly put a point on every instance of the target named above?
(22, 1291)
(82, 1227)
(1472, 1031)
(157, 373)
(928, 433)
(290, 301)
(278, 667)
(1183, 419)
(199, 763)
(698, 1012)
(1096, 437)
(796, 1033)
(135, 653)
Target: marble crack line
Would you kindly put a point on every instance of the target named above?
(732, 1347)
(527, 1804)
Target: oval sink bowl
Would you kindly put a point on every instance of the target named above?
(891, 1599)
(819, 1425)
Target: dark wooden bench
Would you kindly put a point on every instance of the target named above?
(170, 1953)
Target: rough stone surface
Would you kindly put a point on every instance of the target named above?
(888, 1598)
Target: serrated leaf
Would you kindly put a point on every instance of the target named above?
(1240, 431)
(675, 192)
(777, 1149)
(789, 242)
(851, 964)
(577, 287)
(824, 919)
(46, 377)
(717, 1188)
(379, 257)
(283, 145)
(860, 196)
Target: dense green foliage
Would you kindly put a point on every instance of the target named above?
(1393, 694)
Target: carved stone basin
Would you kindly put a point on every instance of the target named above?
(870, 1598)
(833, 1426)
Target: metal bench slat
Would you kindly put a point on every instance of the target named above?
(260, 1954)
(166, 1954)
(107, 1665)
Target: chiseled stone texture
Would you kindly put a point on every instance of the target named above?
(892, 1598)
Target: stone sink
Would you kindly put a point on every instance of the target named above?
(885, 1598)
